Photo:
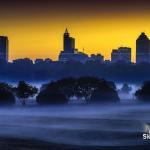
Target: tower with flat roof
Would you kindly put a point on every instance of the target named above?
(142, 48)
(4, 44)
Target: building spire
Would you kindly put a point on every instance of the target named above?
(66, 31)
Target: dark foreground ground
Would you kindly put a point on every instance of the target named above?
(23, 144)
(111, 127)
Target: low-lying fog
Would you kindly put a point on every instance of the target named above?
(126, 97)
(103, 125)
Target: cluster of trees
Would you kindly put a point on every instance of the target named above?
(92, 89)
(122, 72)
(6, 94)
(9, 93)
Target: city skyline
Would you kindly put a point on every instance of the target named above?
(49, 54)
(35, 28)
(69, 47)
(71, 53)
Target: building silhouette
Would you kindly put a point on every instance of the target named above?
(142, 48)
(4, 46)
(38, 61)
(42, 61)
(23, 61)
(121, 54)
(69, 43)
(97, 58)
(70, 53)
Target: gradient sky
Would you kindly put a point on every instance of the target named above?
(35, 27)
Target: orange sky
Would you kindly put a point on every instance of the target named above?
(37, 32)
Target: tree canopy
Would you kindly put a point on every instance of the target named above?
(24, 91)
(84, 87)
(143, 94)
(6, 94)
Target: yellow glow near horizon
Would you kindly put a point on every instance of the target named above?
(44, 39)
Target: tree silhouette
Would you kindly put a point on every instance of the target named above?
(24, 91)
(143, 94)
(92, 89)
(6, 94)
(105, 92)
(51, 94)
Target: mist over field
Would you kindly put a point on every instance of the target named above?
(103, 125)
(121, 124)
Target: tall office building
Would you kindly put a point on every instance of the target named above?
(69, 43)
(4, 48)
(69, 52)
(142, 48)
(121, 54)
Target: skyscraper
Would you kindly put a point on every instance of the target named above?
(4, 43)
(121, 54)
(69, 43)
(142, 48)
(69, 52)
